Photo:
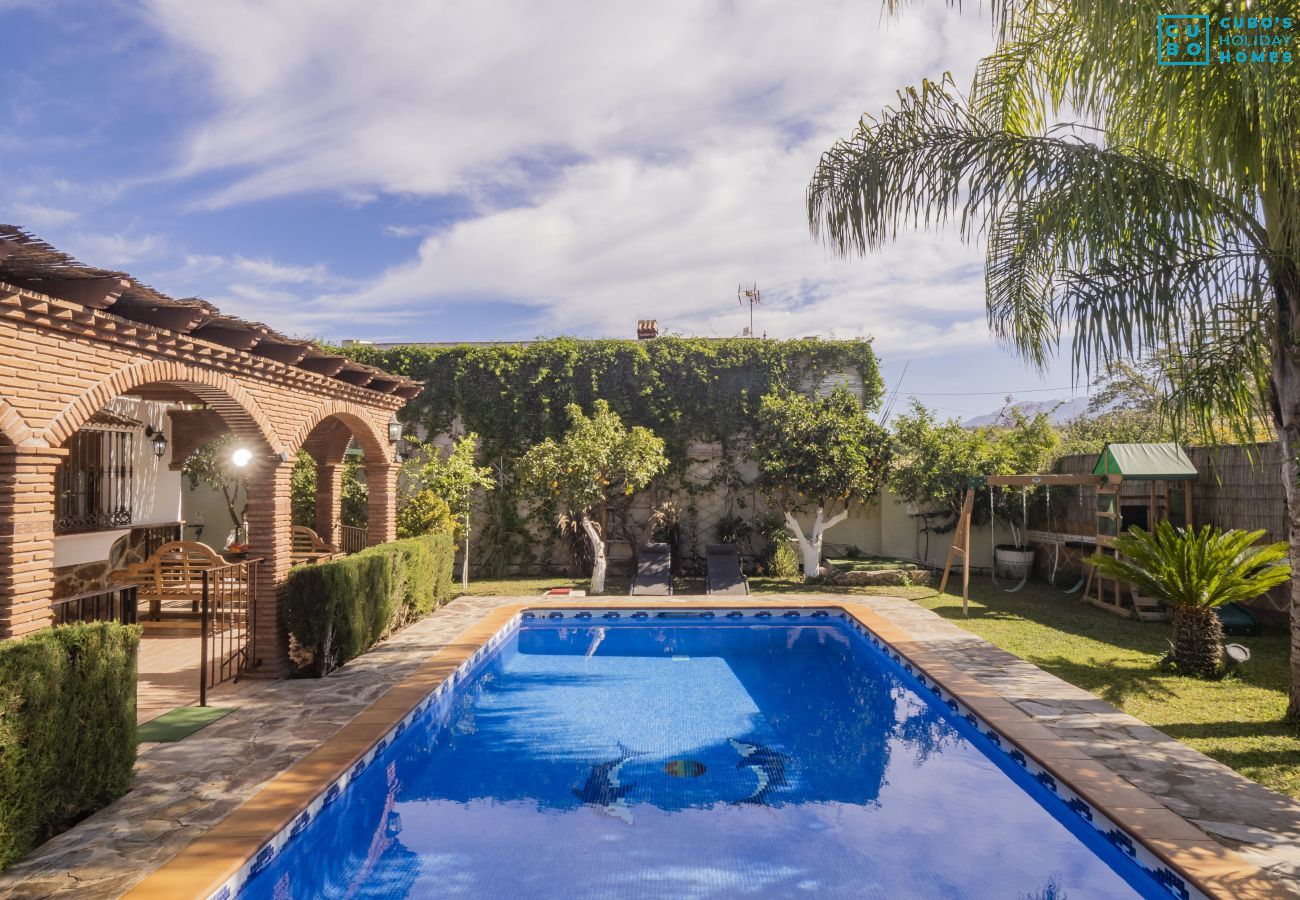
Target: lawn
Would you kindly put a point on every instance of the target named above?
(1236, 721)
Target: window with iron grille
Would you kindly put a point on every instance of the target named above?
(95, 481)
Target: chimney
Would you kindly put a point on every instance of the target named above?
(646, 329)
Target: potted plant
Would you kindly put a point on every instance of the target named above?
(1194, 572)
(1016, 559)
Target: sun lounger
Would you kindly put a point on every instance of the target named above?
(654, 570)
(722, 570)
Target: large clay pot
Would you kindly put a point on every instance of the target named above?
(1012, 562)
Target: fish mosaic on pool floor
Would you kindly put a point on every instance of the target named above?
(614, 786)
(767, 764)
(603, 790)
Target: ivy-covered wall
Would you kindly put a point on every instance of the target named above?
(684, 389)
(689, 391)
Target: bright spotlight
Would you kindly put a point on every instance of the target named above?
(241, 457)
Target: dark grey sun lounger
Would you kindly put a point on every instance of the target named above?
(722, 570)
(654, 570)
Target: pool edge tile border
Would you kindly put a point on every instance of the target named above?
(218, 862)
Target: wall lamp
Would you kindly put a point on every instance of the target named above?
(158, 439)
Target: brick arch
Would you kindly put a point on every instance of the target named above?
(14, 430)
(220, 391)
(373, 442)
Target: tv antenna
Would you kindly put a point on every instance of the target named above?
(748, 292)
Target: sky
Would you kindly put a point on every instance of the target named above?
(450, 170)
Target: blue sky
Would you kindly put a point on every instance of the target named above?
(397, 170)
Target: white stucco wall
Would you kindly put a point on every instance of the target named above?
(886, 528)
(206, 505)
(156, 492)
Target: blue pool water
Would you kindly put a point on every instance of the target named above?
(690, 759)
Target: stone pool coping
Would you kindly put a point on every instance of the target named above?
(217, 856)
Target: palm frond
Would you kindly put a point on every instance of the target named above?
(1196, 568)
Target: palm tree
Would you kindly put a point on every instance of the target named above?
(1194, 572)
(1167, 217)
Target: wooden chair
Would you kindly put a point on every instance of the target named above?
(174, 572)
(309, 548)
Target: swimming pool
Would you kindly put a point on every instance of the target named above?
(699, 754)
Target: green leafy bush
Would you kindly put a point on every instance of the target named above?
(423, 512)
(67, 729)
(934, 461)
(338, 610)
(785, 563)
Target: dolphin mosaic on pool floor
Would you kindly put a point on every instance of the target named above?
(184, 789)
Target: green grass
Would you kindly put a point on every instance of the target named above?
(1237, 721)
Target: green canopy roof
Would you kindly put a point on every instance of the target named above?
(1145, 462)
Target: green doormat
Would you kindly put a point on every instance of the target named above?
(180, 723)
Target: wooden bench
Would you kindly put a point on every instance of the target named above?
(309, 548)
(174, 572)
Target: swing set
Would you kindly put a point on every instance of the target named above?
(1163, 468)
(961, 537)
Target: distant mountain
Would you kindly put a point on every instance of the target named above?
(1059, 411)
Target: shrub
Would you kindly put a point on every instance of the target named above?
(67, 729)
(423, 512)
(1194, 572)
(339, 609)
(785, 563)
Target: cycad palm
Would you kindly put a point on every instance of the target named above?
(1177, 227)
(1194, 572)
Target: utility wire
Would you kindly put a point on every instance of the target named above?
(990, 393)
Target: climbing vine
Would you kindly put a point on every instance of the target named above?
(684, 390)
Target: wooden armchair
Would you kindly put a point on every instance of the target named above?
(174, 572)
(309, 548)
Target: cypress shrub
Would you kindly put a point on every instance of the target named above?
(339, 609)
(67, 728)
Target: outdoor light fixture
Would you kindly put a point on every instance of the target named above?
(241, 457)
(394, 431)
(1235, 655)
(158, 439)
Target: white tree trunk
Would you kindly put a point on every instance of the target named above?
(811, 544)
(597, 556)
(464, 565)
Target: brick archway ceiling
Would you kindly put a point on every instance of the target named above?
(30, 264)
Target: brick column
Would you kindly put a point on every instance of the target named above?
(26, 538)
(381, 506)
(329, 501)
(270, 536)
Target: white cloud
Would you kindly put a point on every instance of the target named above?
(268, 270)
(653, 155)
(113, 250)
(39, 217)
(435, 97)
(622, 239)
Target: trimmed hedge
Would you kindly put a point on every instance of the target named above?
(338, 610)
(67, 728)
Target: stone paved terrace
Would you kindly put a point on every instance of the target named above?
(182, 789)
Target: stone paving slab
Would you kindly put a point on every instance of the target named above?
(185, 788)
(1261, 825)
